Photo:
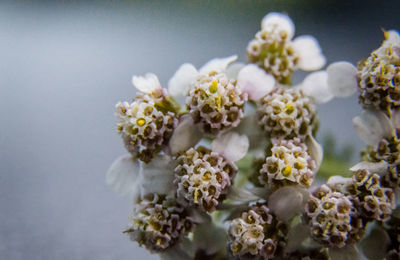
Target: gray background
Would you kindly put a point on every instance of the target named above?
(64, 65)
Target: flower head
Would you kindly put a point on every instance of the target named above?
(331, 217)
(376, 202)
(275, 52)
(289, 163)
(287, 113)
(147, 123)
(215, 103)
(256, 233)
(379, 76)
(158, 223)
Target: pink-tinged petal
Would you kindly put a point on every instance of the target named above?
(185, 135)
(315, 150)
(309, 52)
(217, 64)
(315, 85)
(123, 175)
(342, 79)
(157, 176)
(282, 21)
(231, 145)
(349, 252)
(372, 126)
(179, 84)
(146, 84)
(288, 201)
(255, 82)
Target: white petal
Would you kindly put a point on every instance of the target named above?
(146, 84)
(396, 118)
(254, 81)
(315, 150)
(315, 85)
(179, 84)
(123, 175)
(349, 252)
(372, 126)
(375, 244)
(288, 201)
(233, 70)
(374, 167)
(392, 37)
(278, 20)
(249, 126)
(218, 64)
(175, 253)
(342, 79)
(209, 237)
(185, 135)
(231, 145)
(310, 53)
(157, 176)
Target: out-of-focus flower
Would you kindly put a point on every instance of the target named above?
(257, 233)
(147, 123)
(274, 50)
(158, 222)
(204, 176)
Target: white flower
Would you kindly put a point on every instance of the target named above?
(180, 83)
(274, 50)
(147, 84)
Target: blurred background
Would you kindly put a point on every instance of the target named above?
(65, 64)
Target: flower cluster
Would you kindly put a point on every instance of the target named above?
(228, 173)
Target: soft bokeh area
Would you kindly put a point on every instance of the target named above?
(65, 64)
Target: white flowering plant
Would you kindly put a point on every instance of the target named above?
(229, 172)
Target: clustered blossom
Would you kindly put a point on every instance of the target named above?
(227, 173)
(379, 76)
(215, 103)
(274, 50)
(257, 233)
(158, 223)
(146, 124)
(287, 113)
(376, 202)
(331, 217)
(290, 163)
(203, 177)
